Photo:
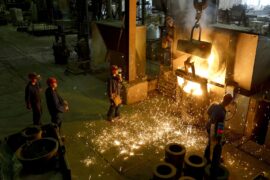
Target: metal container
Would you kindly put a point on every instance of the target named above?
(194, 166)
(164, 171)
(153, 32)
(36, 154)
(175, 154)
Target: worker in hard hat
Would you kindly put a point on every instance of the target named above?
(215, 129)
(114, 86)
(32, 97)
(55, 103)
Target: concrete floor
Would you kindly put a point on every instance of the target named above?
(96, 149)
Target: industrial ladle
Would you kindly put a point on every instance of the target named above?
(192, 46)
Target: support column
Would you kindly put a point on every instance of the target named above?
(130, 27)
(136, 89)
(109, 8)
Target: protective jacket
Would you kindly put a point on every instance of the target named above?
(32, 95)
(217, 114)
(55, 103)
(113, 86)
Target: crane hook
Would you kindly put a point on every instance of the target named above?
(200, 5)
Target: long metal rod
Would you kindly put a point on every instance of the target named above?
(189, 76)
(216, 84)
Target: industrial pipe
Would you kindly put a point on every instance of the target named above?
(164, 171)
(194, 166)
(175, 154)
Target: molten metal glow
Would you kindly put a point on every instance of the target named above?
(193, 88)
(210, 69)
(190, 87)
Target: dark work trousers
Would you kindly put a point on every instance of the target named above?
(216, 157)
(215, 161)
(37, 111)
(57, 119)
(114, 111)
(208, 147)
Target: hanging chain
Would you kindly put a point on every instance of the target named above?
(198, 17)
(199, 5)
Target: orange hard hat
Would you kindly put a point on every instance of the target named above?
(114, 67)
(51, 80)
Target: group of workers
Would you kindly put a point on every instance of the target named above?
(55, 103)
(215, 125)
(56, 106)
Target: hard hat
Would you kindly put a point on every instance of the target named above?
(33, 75)
(114, 67)
(51, 80)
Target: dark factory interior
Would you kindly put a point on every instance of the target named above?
(134, 89)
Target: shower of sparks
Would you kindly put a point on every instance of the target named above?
(143, 132)
(130, 135)
(88, 161)
(232, 161)
(144, 127)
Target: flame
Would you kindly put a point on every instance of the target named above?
(180, 81)
(207, 69)
(190, 87)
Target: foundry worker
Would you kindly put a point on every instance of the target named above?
(114, 86)
(55, 103)
(32, 97)
(215, 128)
